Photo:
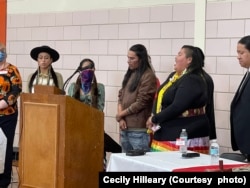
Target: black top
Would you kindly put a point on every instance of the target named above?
(189, 92)
(240, 118)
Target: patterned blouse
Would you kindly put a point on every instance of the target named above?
(10, 88)
(44, 79)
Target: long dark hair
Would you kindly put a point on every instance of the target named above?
(94, 88)
(51, 72)
(142, 54)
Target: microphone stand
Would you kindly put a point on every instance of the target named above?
(79, 69)
(67, 81)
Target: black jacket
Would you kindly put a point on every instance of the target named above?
(210, 105)
(189, 92)
(240, 118)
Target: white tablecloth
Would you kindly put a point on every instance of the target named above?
(157, 161)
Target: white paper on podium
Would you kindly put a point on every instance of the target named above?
(3, 144)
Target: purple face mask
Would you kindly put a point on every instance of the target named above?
(86, 80)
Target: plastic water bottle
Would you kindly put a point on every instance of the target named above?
(214, 152)
(183, 138)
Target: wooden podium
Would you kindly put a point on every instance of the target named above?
(61, 142)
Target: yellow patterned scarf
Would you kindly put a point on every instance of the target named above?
(172, 80)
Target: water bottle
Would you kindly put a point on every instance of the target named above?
(214, 152)
(183, 138)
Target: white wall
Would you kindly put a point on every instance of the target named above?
(32, 6)
(36, 6)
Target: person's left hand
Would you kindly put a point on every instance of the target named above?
(149, 123)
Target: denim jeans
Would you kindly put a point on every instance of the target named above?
(131, 140)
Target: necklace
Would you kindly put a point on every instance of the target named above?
(172, 80)
(42, 78)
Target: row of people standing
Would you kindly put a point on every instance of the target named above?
(88, 92)
(136, 97)
(85, 89)
(181, 102)
(184, 100)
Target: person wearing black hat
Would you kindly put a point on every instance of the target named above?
(45, 74)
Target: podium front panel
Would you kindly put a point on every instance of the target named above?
(40, 147)
(61, 142)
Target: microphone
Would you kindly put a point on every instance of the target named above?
(67, 81)
(79, 69)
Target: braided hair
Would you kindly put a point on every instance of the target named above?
(36, 74)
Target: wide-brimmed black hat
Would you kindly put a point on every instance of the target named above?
(53, 53)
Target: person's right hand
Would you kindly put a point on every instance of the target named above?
(118, 117)
(122, 124)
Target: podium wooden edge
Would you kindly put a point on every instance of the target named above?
(43, 89)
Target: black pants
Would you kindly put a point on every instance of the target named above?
(8, 125)
(110, 145)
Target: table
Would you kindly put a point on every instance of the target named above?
(159, 162)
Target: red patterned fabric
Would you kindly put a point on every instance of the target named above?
(210, 168)
(171, 146)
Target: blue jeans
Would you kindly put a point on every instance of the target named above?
(131, 140)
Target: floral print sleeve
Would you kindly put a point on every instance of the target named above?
(10, 88)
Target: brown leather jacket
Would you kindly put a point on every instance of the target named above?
(140, 102)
